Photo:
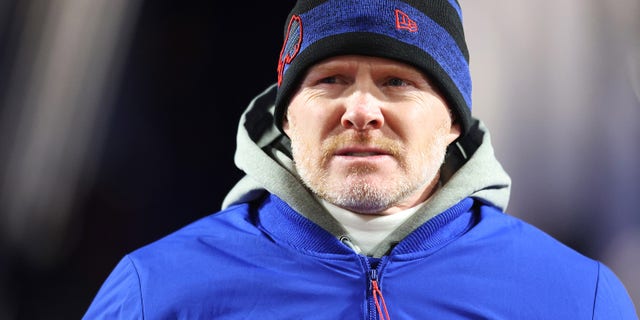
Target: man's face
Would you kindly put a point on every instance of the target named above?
(368, 134)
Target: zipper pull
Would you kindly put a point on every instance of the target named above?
(378, 299)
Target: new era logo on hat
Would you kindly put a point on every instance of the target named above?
(403, 22)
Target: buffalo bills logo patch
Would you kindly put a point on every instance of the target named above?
(291, 45)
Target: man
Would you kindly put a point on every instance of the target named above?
(370, 193)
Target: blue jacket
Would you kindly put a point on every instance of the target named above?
(266, 261)
(274, 252)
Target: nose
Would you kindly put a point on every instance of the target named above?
(362, 112)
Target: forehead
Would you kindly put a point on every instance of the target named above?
(353, 61)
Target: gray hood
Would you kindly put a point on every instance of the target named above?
(263, 154)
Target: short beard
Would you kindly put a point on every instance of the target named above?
(354, 192)
(365, 197)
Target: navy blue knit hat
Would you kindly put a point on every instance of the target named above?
(427, 34)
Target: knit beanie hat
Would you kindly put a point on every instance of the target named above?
(426, 34)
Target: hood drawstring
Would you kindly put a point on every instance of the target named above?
(381, 305)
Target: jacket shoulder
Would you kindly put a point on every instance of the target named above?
(145, 281)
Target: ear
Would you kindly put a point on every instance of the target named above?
(285, 124)
(454, 132)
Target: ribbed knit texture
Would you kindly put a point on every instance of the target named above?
(426, 34)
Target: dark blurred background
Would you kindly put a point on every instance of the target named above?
(118, 122)
(118, 127)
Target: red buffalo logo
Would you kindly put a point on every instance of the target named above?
(291, 45)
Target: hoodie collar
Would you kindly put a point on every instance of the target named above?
(263, 153)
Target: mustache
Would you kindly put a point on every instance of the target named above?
(389, 146)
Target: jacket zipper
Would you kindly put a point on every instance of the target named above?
(379, 305)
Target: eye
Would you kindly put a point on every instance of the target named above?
(396, 82)
(328, 80)
(319, 79)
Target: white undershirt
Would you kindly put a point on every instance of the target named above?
(366, 231)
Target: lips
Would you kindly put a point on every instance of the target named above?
(361, 152)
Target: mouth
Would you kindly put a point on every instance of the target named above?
(361, 152)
